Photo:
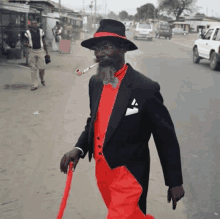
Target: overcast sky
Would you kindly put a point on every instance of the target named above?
(208, 7)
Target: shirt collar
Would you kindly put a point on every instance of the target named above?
(120, 71)
(32, 30)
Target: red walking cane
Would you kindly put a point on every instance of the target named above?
(66, 194)
(66, 191)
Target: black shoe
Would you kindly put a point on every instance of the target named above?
(34, 88)
(43, 83)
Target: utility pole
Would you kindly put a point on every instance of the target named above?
(147, 13)
(105, 9)
(154, 14)
(95, 12)
(26, 48)
(59, 6)
(91, 13)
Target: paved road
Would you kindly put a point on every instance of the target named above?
(32, 145)
(191, 93)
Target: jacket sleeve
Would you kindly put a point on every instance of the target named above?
(165, 139)
(82, 142)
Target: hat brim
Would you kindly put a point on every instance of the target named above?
(89, 43)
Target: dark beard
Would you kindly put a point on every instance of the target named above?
(106, 73)
(106, 70)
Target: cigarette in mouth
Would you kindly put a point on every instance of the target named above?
(80, 73)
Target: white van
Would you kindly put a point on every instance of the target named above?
(143, 31)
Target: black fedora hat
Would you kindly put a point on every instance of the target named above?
(112, 30)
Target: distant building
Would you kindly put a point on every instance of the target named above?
(46, 5)
(13, 24)
(192, 24)
(50, 15)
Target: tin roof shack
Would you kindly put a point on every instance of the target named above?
(56, 7)
(72, 26)
(41, 7)
(13, 23)
(71, 21)
(183, 25)
(46, 5)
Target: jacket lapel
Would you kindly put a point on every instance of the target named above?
(120, 105)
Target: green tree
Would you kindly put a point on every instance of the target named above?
(112, 15)
(123, 15)
(177, 7)
(157, 12)
(130, 17)
(145, 12)
(136, 17)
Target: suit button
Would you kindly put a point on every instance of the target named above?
(100, 153)
(98, 138)
(99, 146)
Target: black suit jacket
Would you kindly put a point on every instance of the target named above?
(126, 141)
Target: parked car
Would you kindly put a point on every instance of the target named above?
(208, 47)
(143, 31)
(163, 30)
(179, 31)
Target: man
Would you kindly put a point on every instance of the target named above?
(126, 107)
(57, 32)
(35, 41)
(69, 31)
(57, 29)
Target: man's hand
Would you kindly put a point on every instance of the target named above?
(45, 47)
(27, 45)
(176, 193)
(73, 155)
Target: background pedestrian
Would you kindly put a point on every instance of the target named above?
(35, 41)
(57, 33)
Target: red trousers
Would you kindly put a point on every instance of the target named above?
(120, 191)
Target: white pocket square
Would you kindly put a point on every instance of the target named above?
(131, 111)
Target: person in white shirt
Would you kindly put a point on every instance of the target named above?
(57, 32)
(35, 41)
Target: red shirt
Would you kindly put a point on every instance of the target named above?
(106, 104)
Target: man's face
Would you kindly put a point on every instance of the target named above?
(110, 59)
(34, 24)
